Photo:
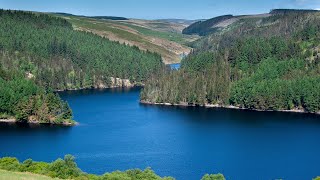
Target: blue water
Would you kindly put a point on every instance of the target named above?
(117, 133)
(175, 66)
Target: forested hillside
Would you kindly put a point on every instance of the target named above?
(284, 23)
(48, 49)
(24, 101)
(265, 63)
(40, 53)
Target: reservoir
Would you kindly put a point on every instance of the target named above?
(118, 133)
(175, 66)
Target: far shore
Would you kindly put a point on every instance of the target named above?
(96, 88)
(228, 107)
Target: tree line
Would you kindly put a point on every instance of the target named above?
(67, 169)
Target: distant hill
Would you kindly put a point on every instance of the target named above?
(179, 21)
(115, 18)
(205, 27)
(162, 37)
(220, 23)
(283, 11)
(63, 14)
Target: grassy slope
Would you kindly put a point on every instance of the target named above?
(155, 36)
(6, 175)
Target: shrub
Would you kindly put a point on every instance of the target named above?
(213, 177)
(9, 163)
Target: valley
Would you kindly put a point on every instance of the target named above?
(160, 36)
(206, 99)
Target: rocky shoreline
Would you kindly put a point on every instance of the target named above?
(115, 83)
(7, 121)
(183, 104)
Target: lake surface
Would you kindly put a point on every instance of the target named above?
(118, 133)
(175, 66)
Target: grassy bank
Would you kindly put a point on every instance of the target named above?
(12, 169)
(7, 175)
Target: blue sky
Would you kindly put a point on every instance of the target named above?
(156, 9)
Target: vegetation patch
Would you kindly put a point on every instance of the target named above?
(67, 169)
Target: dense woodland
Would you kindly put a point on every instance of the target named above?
(61, 58)
(274, 65)
(67, 169)
(25, 101)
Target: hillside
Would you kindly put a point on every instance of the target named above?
(203, 28)
(280, 22)
(224, 23)
(40, 53)
(58, 57)
(262, 62)
(183, 22)
(94, 17)
(158, 36)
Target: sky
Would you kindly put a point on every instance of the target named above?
(158, 9)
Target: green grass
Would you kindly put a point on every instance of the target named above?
(175, 37)
(6, 175)
(105, 27)
(109, 26)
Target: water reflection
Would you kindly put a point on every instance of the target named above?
(214, 115)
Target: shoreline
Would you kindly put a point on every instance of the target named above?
(14, 121)
(227, 107)
(115, 83)
(98, 88)
(7, 121)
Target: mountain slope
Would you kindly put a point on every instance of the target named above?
(284, 24)
(61, 58)
(158, 36)
(205, 27)
(223, 23)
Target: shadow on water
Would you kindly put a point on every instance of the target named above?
(249, 117)
(86, 92)
(25, 127)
